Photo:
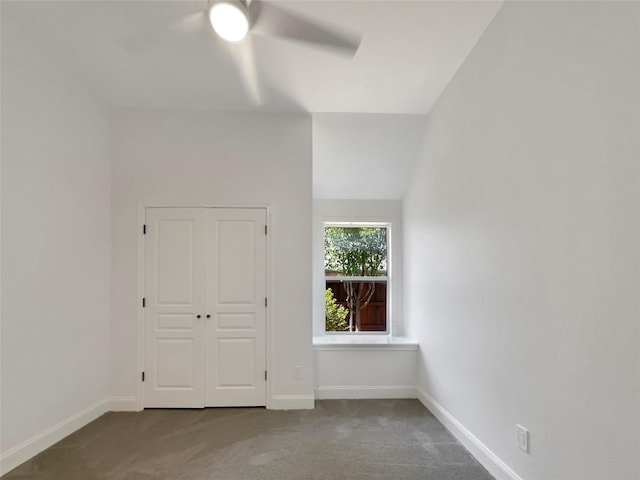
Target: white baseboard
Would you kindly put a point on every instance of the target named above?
(479, 450)
(36, 444)
(391, 391)
(123, 404)
(291, 402)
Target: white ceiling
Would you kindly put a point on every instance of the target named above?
(147, 54)
(368, 111)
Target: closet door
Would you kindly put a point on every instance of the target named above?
(236, 293)
(174, 349)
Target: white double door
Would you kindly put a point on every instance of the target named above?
(205, 307)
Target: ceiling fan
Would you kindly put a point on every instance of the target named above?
(232, 20)
(238, 21)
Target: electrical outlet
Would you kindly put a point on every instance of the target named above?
(297, 372)
(523, 438)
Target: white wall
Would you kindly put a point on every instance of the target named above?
(55, 247)
(364, 155)
(365, 371)
(173, 158)
(521, 226)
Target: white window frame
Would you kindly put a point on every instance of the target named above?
(377, 279)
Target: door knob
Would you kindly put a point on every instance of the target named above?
(208, 316)
(197, 316)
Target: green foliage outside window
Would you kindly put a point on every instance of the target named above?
(336, 315)
(355, 251)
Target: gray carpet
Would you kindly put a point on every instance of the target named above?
(339, 439)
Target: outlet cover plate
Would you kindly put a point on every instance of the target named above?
(523, 438)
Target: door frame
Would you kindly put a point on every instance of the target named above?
(142, 206)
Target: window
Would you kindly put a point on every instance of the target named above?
(356, 269)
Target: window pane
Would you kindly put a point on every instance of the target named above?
(355, 251)
(356, 306)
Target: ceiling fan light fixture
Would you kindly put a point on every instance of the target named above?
(230, 20)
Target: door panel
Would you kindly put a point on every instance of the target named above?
(236, 291)
(174, 261)
(174, 356)
(239, 352)
(236, 277)
(174, 295)
(174, 321)
(234, 321)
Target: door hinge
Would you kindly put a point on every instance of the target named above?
(144, 302)
(265, 229)
(143, 376)
(144, 229)
(265, 374)
(265, 301)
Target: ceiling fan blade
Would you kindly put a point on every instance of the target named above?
(191, 23)
(242, 55)
(271, 19)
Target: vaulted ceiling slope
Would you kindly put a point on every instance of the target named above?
(161, 54)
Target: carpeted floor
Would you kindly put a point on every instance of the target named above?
(339, 439)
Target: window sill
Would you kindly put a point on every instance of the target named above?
(364, 342)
